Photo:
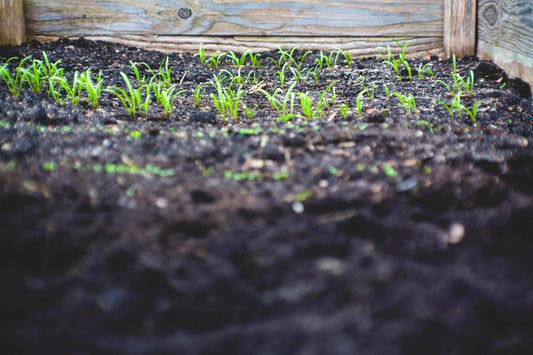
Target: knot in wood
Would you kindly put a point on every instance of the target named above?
(184, 13)
(491, 14)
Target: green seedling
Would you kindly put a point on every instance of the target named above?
(322, 100)
(236, 80)
(135, 68)
(389, 170)
(237, 61)
(281, 74)
(197, 97)
(201, 54)
(14, 81)
(255, 60)
(215, 60)
(394, 62)
(300, 75)
(424, 69)
(408, 67)
(359, 103)
(54, 90)
(328, 61)
(316, 73)
(166, 96)
(386, 90)
(408, 103)
(343, 110)
(72, 91)
(289, 57)
(285, 105)
(368, 90)
(454, 106)
(35, 76)
(226, 99)
(136, 134)
(49, 166)
(306, 104)
(94, 90)
(472, 112)
(132, 98)
(249, 113)
(51, 69)
(460, 84)
(348, 59)
(164, 73)
(333, 96)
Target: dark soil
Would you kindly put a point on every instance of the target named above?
(382, 234)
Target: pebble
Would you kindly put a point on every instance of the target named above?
(298, 207)
(331, 266)
(161, 203)
(456, 232)
(407, 185)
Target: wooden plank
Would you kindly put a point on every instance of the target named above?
(12, 28)
(357, 46)
(396, 18)
(505, 30)
(460, 27)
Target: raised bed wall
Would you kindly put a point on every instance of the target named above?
(497, 30)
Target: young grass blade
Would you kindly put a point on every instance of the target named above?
(472, 113)
(14, 81)
(94, 91)
(201, 54)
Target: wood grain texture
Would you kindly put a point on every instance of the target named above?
(460, 27)
(507, 24)
(357, 46)
(505, 30)
(423, 18)
(12, 26)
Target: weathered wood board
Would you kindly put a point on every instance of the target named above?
(460, 27)
(236, 17)
(357, 46)
(170, 25)
(12, 29)
(505, 35)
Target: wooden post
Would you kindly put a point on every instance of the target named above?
(460, 27)
(12, 27)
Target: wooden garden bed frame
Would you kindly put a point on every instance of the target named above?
(498, 30)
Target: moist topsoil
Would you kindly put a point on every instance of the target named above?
(382, 233)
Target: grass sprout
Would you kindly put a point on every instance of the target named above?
(201, 54)
(283, 105)
(368, 90)
(197, 97)
(396, 62)
(72, 90)
(35, 76)
(472, 112)
(165, 96)
(424, 69)
(14, 81)
(227, 100)
(359, 102)
(348, 59)
(343, 110)
(408, 103)
(328, 61)
(235, 60)
(93, 90)
(132, 97)
(215, 60)
(306, 104)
